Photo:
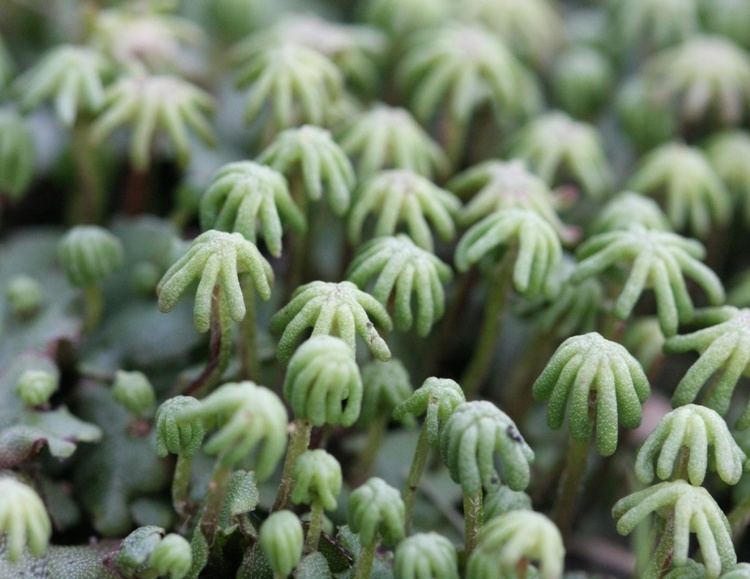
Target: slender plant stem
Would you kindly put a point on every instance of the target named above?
(498, 290)
(418, 463)
(739, 519)
(217, 490)
(87, 203)
(299, 439)
(364, 561)
(519, 397)
(300, 241)
(369, 453)
(473, 517)
(135, 198)
(570, 485)
(94, 306)
(662, 558)
(220, 344)
(316, 524)
(181, 485)
(249, 340)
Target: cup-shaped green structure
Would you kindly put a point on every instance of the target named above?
(216, 259)
(16, 155)
(401, 17)
(694, 195)
(645, 119)
(715, 94)
(281, 538)
(582, 80)
(426, 556)
(322, 382)
(471, 437)
(460, 68)
(295, 83)
(517, 538)
(337, 309)
(376, 512)
(650, 24)
(89, 254)
(627, 209)
(725, 152)
(175, 436)
(598, 384)
(355, 49)
(436, 400)
(694, 511)
(536, 243)
(532, 29)
(24, 522)
(386, 385)
(252, 199)
(702, 435)
(72, 77)
(387, 137)
(152, 104)
(134, 391)
(402, 197)
(562, 150)
(317, 478)
(404, 274)
(310, 154)
(35, 387)
(172, 557)
(249, 418)
(724, 348)
(660, 261)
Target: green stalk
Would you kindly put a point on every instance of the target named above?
(300, 241)
(364, 562)
(299, 440)
(316, 524)
(570, 484)
(86, 206)
(369, 454)
(418, 463)
(94, 306)
(248, 336)
(739, 519)
(662, 559)
(520, 398)
(473, 517)
(181, 485)
(498, 289)
(217, 490)
(220, 344)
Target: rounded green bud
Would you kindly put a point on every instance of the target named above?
(89, 254)
(249, 418)
(693, 511)
(145, 277)
(503, 500)
(16, 153)
(376, 510)
(436, 399)
(136, 549)
(281, 539)
(174, 436)
(469, 441)
(426, 556)
(35, 387)
(172, 557)
(645, 119)
(703, 435)
(317, 478)
(598, 384)
(24, 521)
(323, 384)
(513, 538)
(134, 391)
(385, 385)
(24, 295)
(582, 80)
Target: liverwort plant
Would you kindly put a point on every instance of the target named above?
(436, 400)
(217, 260)
(426, 556)
(627, 209)
(661, 261)
(529, 251)
(376, 513)
(471, 437)
(600, 387)
(281, 538)
(24, 522)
